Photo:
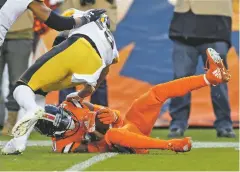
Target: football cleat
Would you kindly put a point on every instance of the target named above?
(180, 145)
(26, 122)
(11, 148)
(217, 72)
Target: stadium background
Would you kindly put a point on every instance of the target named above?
(145, 53)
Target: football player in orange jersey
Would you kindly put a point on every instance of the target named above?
(141, 116)
(72, 126)
(73, 122)
(144, 111)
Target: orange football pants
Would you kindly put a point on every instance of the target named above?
(144, 111)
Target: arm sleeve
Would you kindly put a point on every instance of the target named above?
(60, 23)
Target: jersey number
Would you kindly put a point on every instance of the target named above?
(107, 33)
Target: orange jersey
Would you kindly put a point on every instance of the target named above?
(84, 123)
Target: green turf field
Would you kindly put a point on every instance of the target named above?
(38, 158)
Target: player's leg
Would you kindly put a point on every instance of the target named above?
(81, 62)
(47, 70)
(221, 104)
(144, 110)
(51, 72)
(89, 67)
(50, 68)
(2, 103)
(129, 136)
(25, 98)
(18, 52)
(17, 145)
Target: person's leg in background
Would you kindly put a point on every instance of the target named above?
(18, 52)
(185, 60)
(2, 103)
(100, 96)
(63, 94)
(219, 94)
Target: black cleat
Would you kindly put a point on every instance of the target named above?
(14, 153)
(176, 132)
(227, 132)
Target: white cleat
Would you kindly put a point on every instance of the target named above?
(25, 123)
(11, 148)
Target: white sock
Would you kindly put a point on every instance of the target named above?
(40, 100)
(205, 79)
(21, 142)
(25, 97)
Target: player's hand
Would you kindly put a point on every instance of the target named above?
(93, 14)
(88, 16)
(74, 96)
(107, 116)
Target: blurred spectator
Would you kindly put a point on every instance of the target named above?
(195, 26)
(100, 96)
(39, 27)
(15, 53)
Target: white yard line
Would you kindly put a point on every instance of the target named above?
(88, 163)
(33, 143)
(196, 144)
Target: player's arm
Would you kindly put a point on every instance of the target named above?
(88, 88)
(61, 23)
(106, 115)
(103, 75)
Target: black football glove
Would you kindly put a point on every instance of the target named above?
(89, 16)
(93, 14)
